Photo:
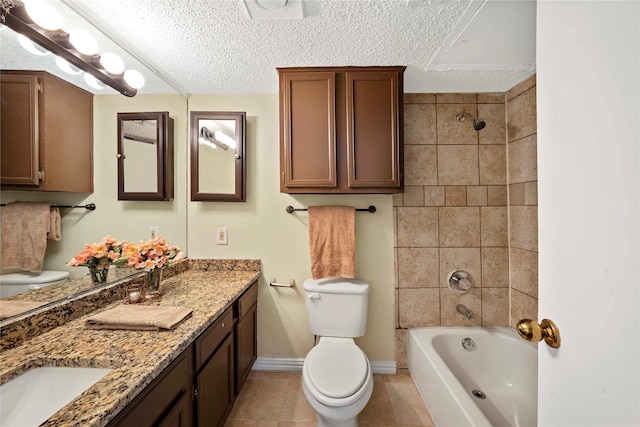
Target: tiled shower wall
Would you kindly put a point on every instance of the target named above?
(523, 200)
(454, 211)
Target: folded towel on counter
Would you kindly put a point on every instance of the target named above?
(139, 317)
(25, 230)
(9, 308)
(332, 241)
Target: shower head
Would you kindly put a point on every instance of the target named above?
(478, 123)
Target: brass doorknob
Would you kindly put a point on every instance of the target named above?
(547, 330)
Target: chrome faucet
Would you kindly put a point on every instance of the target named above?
(464, 310)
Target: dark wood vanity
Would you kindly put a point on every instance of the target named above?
(201, 384)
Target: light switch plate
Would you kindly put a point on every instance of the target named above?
(221, 236)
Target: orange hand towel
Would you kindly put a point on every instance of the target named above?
(332, 241)
(25, 227)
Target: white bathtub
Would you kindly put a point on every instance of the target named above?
(502, 366)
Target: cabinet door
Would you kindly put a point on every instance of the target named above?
(166, 400)
(181, 413)
(215, 387)
(19, 127)
(246, 346)
(374, 126)
(308, 146)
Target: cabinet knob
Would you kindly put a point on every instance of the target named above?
(121, 156)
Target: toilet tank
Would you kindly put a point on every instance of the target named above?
(337, 307)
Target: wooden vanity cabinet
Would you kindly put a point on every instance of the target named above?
(46, 135)
(215, 388)
(246, 335)
(200, 387)
(341, 130)
(166, 401)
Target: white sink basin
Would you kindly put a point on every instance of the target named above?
(33, 397)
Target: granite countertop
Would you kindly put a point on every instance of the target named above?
(137, 357)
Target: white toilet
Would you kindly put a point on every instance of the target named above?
(336, 375)
(17, 283)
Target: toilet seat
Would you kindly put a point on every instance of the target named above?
(336, 368)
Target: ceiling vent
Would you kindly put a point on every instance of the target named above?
(274, 9)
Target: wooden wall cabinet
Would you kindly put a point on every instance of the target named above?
(341, 130)
(46, 133)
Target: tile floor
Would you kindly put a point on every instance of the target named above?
(275, 399)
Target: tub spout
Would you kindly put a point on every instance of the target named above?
(464, 310)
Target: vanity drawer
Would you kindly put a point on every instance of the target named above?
(246, 301)
(210, 339)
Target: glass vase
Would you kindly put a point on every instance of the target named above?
(99, 274)
(152, 283)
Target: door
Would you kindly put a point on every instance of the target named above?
(588, 176)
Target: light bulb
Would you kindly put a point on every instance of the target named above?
(68, 68)
(93, 82)
(43, 14)
(83, 42)
(112, 63)
(31, 47)
(134, 79)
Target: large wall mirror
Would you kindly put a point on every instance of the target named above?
(145, 156)
(218, 156)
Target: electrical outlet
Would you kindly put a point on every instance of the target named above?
(154, 230)
(221, 236)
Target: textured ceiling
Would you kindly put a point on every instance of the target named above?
(213, 46)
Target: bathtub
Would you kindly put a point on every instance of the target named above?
(491, 382)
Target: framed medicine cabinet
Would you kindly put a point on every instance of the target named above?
(218, 156)
(145, 156)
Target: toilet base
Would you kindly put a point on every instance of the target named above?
(323, 422)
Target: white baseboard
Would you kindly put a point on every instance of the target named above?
(295, 365)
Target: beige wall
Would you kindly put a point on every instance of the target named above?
(260, 228)
(523, 200)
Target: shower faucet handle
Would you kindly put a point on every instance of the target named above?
(547, 330)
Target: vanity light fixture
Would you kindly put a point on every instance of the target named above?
(64, 65)
(75, 47)
(31, 47)
(43, 14)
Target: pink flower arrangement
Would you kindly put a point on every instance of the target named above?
(101, 254)
(155, 253)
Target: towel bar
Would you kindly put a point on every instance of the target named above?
(292, 284)
(88, 206)
(291, 209)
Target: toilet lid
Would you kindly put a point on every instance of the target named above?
(337, 370)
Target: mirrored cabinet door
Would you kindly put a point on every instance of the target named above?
(145, 156)
(217, 156)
